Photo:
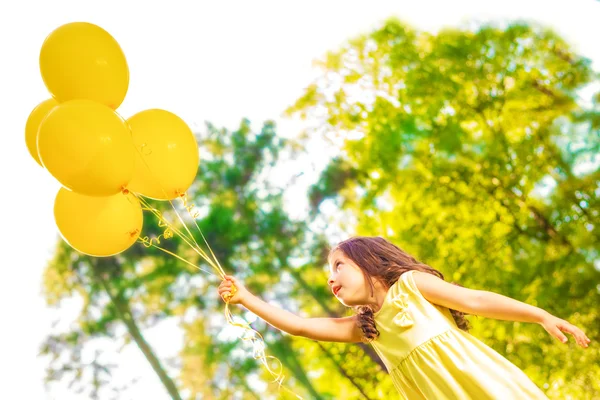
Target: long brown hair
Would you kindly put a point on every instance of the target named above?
(382, 260)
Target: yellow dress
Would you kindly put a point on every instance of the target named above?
(429, 357)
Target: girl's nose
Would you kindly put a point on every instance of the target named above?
(330, 281)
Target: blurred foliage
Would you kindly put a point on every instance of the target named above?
(474, 151)
(243, 220)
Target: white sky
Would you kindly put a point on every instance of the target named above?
(213, 61)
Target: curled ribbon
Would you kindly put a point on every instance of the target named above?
(258, 345)
(167, 233)
(188, 206)
(249, 334)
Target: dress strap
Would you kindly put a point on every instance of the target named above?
(407, 283)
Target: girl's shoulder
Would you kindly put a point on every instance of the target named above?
(403, 288)
(407, 283)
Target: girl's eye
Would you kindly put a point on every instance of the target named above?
(337, 265)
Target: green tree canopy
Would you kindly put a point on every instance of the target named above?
(474, 151)
(243, 220)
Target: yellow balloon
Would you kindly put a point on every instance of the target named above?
(80, 60)
(87, 147)
(33, 125)
(98, 226)
(166, 160)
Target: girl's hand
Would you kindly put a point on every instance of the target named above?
(232, 291)
(556, 326)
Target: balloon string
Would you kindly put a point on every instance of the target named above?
(170, 230)
(194, 215)
(186, 238)
(216, 266)
(167, 233)
(256, 338)
(148, 243)
(259, 350)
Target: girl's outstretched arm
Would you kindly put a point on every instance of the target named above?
(493, 305)
(322, 329)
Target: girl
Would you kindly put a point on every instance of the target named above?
(415, 321)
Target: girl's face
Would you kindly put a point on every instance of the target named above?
(347, 281)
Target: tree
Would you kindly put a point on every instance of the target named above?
(243, 220)
(466, 149)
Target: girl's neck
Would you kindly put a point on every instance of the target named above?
(378, 297)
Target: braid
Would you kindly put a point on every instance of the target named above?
(460, 320)
(366, 322)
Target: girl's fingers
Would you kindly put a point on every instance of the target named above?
(227, 288)
(577, 333)
(583, 339)
(568, 328)
(225, 295)
(229, 279)
(580, 336)
(223, 290)
(560, 336)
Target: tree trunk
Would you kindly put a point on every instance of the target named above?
(122, 307)
(343, 371)
(280, 348)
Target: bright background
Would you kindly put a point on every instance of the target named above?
(205, 61)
